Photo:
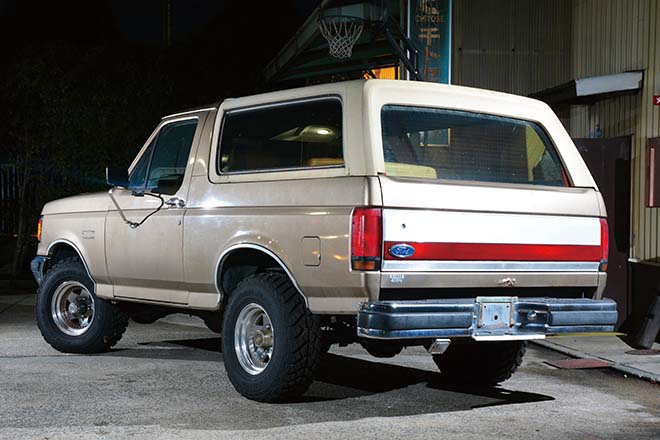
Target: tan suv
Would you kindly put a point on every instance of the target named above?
(388, 213)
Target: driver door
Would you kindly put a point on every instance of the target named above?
(146, 262)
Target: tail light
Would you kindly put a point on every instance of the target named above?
(604, 244)
(366, 238)
(40, 224)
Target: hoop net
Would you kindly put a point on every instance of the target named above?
(342, 32)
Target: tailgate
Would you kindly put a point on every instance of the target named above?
(474, 235)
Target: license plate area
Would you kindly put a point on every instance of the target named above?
(494, 313)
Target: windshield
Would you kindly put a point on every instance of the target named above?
(448, 144)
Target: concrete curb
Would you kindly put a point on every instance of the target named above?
(623, 368)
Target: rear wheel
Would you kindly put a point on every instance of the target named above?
(271, 343)
(70, 316)
(481, 363)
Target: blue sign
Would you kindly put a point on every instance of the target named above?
(402, 250)
(430, 31)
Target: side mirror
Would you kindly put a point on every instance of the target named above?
(116, 176)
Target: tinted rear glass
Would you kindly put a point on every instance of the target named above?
(456, 145)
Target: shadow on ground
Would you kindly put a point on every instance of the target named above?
(399, 390)
(174, 376)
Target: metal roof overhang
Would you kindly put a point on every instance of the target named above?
(306, 54)
(591, 89)
(318, 62)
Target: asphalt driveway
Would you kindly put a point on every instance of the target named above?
(166, 380)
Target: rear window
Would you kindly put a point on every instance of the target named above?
(457, 145)
(288, 136)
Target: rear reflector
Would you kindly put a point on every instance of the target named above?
(604, 244)
(366, 238)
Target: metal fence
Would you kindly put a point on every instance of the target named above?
(8, 199)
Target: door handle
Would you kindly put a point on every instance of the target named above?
(175, 202)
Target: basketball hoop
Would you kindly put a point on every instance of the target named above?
(342, 32)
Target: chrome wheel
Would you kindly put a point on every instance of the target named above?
(253, 338)
(72, 308)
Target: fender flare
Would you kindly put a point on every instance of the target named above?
(75, 248)
(227, 252)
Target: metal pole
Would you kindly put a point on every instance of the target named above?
(402, 55)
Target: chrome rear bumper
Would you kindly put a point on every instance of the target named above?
(486, 318)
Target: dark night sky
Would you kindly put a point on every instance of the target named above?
(112, 51)
(129, 20)
(84, 82)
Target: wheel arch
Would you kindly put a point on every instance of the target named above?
(62, 248)
(243, 259)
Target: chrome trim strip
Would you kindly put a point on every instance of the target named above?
(489, 266)
(277, 170)
(208, 109)
(225, 254)
(522, 337)
(385, 335)
(388, 335)
(65, 241)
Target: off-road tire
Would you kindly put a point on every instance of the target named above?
(296, 343)
(105, 330)
(480, 363)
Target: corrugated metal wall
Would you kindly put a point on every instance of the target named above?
(613, 36)
(514, 46)
(524, 46)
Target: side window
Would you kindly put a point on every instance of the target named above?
(163, 163)
(139, 174)
(168, 162)
(297, 135)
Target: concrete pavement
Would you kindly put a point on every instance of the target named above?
(611, 349)
(167, 380)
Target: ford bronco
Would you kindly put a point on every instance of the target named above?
(387, 213)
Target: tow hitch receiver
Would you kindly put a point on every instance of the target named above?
(494, 317)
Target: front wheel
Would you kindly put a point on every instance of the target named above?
(271, 343)
(481, 363)
(71, 318)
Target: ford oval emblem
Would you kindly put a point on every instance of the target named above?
(402, 250)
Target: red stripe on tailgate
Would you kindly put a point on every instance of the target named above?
(498, 252)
